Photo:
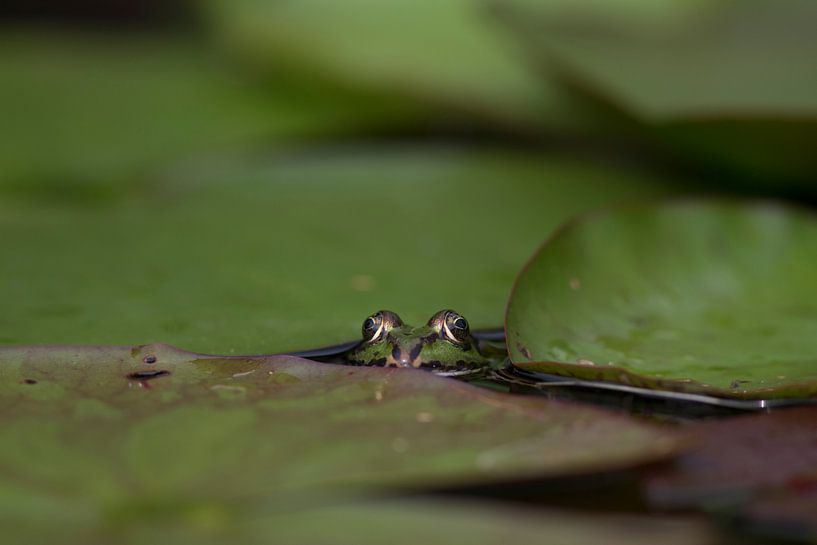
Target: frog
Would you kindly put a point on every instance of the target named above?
(444, 345)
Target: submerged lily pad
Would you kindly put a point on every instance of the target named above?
(695, 296)
(117, 437)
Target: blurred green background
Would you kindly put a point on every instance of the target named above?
(257, 175)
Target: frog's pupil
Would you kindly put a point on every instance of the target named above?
(460, 323)
(368, 324)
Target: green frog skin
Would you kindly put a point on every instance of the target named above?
(444, 345)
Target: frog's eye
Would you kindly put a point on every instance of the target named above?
(380, 323)
(373, 327)
(369, 326)
(455, 327)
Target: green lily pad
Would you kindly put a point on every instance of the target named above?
(289, 252)
(412, 522)
(423, 519)
(453, 56)
(112, 438)
(129, 103)
(695, 296)
(728, 84)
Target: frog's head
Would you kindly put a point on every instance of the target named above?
(443, 345)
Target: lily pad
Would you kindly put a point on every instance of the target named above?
(696, 296)
(424, 519)
(789, 513)
(453, 56)
(111, 438)
(728, 84)
(740, 462)
(129, 103)
(227, 257)
(412, 522)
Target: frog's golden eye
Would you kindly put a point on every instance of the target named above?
(380, 323)
(454, 327)
(369, 327)
(373, 327)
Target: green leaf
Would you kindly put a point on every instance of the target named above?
(411, 522)
(90, 441)
(451, 55)
(729, 84)
(269, 255)
(129, 103)
(695, 296)
(423, 519)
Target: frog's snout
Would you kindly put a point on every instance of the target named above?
(407, 355)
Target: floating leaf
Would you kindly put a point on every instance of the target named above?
(230, 259)
(789, 513)
(118, 437)
(423, 519)
(694, 296)
(130, 103)
(412, 522)
(729, 84)
(451, 55)
(740, 460)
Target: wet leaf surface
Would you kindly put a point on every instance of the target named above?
(88, 443)
(270, 254)
(742, 460)
(697, 296)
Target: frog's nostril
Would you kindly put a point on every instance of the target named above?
(403, 358)
(407, 355)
